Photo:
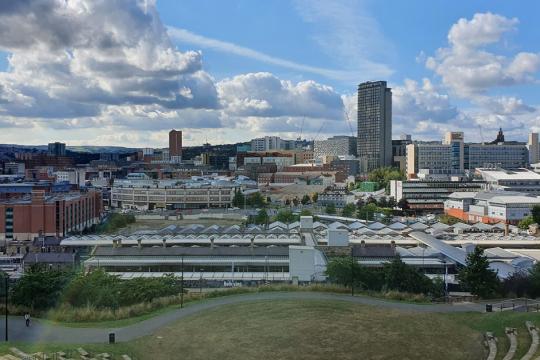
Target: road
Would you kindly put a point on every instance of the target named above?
(47, 332)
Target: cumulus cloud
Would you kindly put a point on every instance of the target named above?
(71, 58)
(468, 69)
(265, 95)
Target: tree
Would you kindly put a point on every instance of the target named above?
(519, 284)
(295, 201)
(448, 219)
(305, 199)
(306, 212)
(238, 199)
(403, 204)
(525, 222)
(314, 197)
(402, 277)
(330, 209)
(536, 214)
(288, 202)
(391, 202)
(255, 200)
(534, 276)
(367, 212)
(348, 210)
(371, 200)
(261, 217)
(342, 270)
(477, 277)
(286, 216)
(40, 288)
(382, 176)
(383, 202)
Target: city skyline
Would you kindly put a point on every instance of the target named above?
(168, 65)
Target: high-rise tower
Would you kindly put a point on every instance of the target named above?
(375, 124)
(175, 145)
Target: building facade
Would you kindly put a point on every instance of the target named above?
(520, 180)
(53, 214)
(56, 149)
(175, 145)
(534, 148)
(151, 194)
(375, 124)
(335, 146)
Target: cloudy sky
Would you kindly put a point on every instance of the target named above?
(124, 72)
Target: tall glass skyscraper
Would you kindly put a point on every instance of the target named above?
(374, 125)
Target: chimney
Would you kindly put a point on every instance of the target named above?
(139, 243)
(393, 246)
(506, 229)
(211, 241)
(164, 243)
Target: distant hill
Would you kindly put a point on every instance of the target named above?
(82, 149)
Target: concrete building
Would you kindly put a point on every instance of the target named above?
(490, 207)
(399, 152)
(14, 168)
(48, 214)
(335, 146)
(339, 197)
(56, 149)
(534, 148)
(175, 146)
(267, 143)
(426, 195)
(147, 194)
(455, 156)
(520, 180)
(375, 124)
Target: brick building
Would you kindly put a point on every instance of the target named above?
(48, 214)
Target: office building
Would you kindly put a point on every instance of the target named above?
(56, 149)
(375, 124)
(534, 148)
(427, 195)
(48, 214)
(175, 146)
(399, 152)
(147, 194)
(454, 156)
(335, 146)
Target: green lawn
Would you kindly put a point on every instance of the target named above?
(318, 329)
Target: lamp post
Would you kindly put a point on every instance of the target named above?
(352, 271)
(182, 285)
(6, 279)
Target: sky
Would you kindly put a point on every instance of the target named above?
(123, 73)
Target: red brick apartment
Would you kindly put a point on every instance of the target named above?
(52, 214)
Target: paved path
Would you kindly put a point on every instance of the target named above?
(43, 331)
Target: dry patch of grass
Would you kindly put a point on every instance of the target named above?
(312, 330)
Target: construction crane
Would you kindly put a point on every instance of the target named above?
(302, 128)
(349, 123)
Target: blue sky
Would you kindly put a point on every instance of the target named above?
(248, 68)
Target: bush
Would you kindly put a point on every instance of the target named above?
(39, 288)
(101, 290)
(525, 222)
(114, 222)
(404, 278)
(286, 216)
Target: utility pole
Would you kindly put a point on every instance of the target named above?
(352, 271)
(6, 278)
(182, 285)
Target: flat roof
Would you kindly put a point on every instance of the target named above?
(501, 174)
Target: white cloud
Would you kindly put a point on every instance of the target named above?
(469, 70)
(189, 37)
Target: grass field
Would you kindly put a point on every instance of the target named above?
(318, 329)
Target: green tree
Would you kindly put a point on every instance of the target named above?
(382, 176)
(403, 204)
(261, 217)
(535, 212)
(330, 209)
(286, 216)
(314, 197)
(305, 199)
(342, 270)
(40, 288)
(383, 202)
(534, 276)
(238, 199)
(306, 212)
(255, 200)
(367, 212)
(448, 219)
(391, 202)
(348, 210)
(402, 277)
(295, 201)
(477, 277)
(525, 222)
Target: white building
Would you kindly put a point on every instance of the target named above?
(534, 148)
(521, 180)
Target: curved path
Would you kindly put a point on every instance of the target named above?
(42, 331)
